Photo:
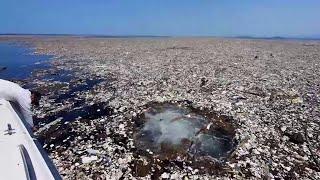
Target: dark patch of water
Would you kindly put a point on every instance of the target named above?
(61, 135)
(58, 75)
(74, 88)
(86, 85)
(86, 112)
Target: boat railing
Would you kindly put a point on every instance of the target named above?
(27, 163)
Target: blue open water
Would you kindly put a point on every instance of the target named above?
(17, 61)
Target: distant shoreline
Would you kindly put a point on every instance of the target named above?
(277, 38)
(87, 35)
(155, 36)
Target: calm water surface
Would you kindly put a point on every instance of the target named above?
(17, 61)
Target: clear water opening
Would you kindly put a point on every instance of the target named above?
(170, 131)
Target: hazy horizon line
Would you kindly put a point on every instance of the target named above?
(313, 37)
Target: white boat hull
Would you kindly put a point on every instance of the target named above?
(20, 156)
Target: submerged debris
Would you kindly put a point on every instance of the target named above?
(2, 68)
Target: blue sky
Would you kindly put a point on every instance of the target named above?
(162, 17)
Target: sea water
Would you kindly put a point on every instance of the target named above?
(17, 61)
(181, 128)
